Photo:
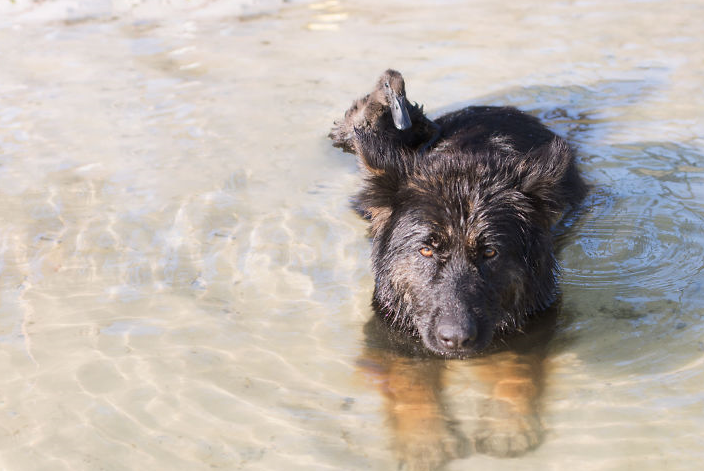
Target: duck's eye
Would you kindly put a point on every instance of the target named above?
(426, 252)
(386, 84)
(489, 252)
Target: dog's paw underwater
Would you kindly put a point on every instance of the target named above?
(461, 210)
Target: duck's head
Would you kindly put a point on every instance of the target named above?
(391, 91)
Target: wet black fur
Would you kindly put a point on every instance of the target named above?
(497, 179)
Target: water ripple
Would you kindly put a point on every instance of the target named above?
(635, 243)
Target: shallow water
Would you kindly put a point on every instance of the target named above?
(184, 286)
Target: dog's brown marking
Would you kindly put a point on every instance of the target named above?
(422, 436)
(509, 422)
(505, 389)
(439, 410)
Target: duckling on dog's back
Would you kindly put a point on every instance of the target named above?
(386, 112)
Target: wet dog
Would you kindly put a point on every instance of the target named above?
(462, 247)
(461, 210)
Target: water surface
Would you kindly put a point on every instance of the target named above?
(184, 286)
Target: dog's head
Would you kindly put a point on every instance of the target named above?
(461, 244)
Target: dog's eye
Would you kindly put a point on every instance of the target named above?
(489, 252)
(426, 252)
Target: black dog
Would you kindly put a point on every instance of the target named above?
(461, 211)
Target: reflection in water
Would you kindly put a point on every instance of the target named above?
(438, 410)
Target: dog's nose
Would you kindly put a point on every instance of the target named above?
(455, 336)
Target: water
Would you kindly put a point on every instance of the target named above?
(184, 286)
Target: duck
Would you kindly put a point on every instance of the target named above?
(388, 114)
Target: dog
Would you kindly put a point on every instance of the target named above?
(461, 210)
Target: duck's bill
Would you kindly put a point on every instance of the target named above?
(399, 113)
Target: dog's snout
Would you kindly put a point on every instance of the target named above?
(455, 335)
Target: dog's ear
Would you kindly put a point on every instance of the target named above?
(386, 166)
(381, 153)
(377, 198)
(546, 176)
